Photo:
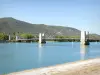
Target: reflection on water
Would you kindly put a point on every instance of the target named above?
(72, 44)
(16, 44)
(84, 52)
(39, 54)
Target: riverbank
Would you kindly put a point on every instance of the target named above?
(86, 67)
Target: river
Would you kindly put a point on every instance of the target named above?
(16, 57)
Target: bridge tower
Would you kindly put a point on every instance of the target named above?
(42, 38)
(16, 38)
(84, 38)
(9, 37)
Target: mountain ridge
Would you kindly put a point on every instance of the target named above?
(10, 25)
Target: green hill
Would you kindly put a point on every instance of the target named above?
(11, 25)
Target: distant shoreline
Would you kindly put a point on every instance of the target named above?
(86, 67)
(60, 40)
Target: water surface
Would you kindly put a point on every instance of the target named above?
(22, 56)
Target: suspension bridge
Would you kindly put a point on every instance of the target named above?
(42, 39)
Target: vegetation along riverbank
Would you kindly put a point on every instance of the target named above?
(29, 37)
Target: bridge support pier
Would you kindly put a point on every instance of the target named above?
(42, 38)
(9, 37)
(16, 38)
(84, 38)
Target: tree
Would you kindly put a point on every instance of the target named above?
(27, 36)
(3, 36)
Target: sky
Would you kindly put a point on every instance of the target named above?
(79, 14)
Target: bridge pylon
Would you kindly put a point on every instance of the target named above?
(9, 37)
(84, 38)
(16, 38)
(42, 39)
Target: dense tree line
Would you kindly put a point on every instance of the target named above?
(67, 38)
(3, 36)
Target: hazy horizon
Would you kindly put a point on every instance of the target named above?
(79, 14)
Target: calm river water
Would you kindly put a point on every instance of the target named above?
(16, 57)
